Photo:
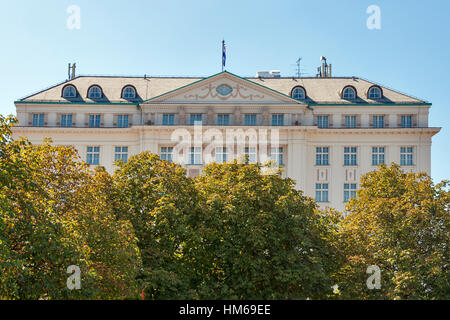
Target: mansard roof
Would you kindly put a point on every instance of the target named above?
(148, 88)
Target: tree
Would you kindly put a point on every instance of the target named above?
(259, 237)
(47, 224)
(399, 222)
(160, 201)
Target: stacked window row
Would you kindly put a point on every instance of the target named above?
(322, 190)
(351, 156)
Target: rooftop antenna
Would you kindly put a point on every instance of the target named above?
(71, 71)
(325, 70)
(299, 73)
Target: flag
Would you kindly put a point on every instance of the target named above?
(224, 54)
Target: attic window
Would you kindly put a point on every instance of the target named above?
(374, 93)
(349, 93)
(95, 92)
(69, 92)
(298, 93)
(129, 92)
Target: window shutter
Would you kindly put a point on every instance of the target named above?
(45, 119)
(371, 121)
(315, 120)
(414, 121)
(358, 121)
(399, 120)
(115, 120)
(343, 121)
(58, 119)
(330, 121)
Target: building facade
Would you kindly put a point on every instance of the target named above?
(324, 132)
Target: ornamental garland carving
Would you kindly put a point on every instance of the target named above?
(224, 92)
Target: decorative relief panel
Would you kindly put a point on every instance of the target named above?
(350, 175)
(224, 92)
(322, 174)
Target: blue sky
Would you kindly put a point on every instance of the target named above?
(176, 37)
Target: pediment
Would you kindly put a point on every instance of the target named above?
(224, 88)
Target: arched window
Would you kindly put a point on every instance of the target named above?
(375, 93)
(349, 93)
(95, 92)
(298, 93)
(129, 92)
(69, 91)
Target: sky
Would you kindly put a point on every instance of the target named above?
(410, 51)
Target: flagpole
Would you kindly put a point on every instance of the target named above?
(223, 47)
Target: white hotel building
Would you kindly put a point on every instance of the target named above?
(331, 130)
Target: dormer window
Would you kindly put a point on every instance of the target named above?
(95, 92)
(298, 93)
(129, 92)
(349, 93)
(375, 93)
(69, 91)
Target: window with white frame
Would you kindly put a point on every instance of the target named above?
(129, 92)
(406, 156)
(66, 120)
(93, 155)
(406, 121)
(349, 191)
(251, 154)
(69, 92)
(349, 93)
(322, 156)
(374, 93)
(223, 119)
(350, 156)
(195, 117)
(250, 119)
(350, 121)
(38, 119)
(167, 153)
(278, 119)
(276, 154)
(121, 153)
(378, 155)
(322, 192)
(195, 155)
(221, 154)
(94, 120)
(122, 121)
(298, 93)
(322, 122)
(378, 121)
(95, 92)
(168, 119)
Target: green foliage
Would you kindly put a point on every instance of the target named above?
(399, 222)
(50, 219)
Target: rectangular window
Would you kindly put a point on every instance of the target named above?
(195, 117)
(167, 153)
(94, 120)
(350, 156)
(122, 121)
(195, 155)
(322, 192)
(322, 122)
(121, 153)
(276, 154)
(221, 155)
(378, 121)
(66, 120)
(406, 121)
(250, 119)
(322, 156)
(377, 155)
(93, 155)
(406, 156)
(168, 119)
(350, 121)
(223, 119)
(278, 119)
(349, 191)
(38, 120)
(251, 153)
